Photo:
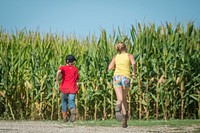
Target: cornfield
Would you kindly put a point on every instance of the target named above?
(167, 84)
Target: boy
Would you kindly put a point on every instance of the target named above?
(68, 87)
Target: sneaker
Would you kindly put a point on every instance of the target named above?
(124, 121)
(64, 116)
(73, 115)
(65, 119)
(118, 113)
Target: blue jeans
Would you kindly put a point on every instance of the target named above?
(68, 100)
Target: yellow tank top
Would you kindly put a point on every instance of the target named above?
(122, 63)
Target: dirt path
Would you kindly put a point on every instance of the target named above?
(57, 127)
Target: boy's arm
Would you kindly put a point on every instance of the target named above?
(57, 76)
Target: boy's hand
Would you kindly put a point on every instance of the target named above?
(56, 83)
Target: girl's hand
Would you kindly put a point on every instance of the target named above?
(133, 76)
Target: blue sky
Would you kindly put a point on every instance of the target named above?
(86, 17)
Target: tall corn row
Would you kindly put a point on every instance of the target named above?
(167, 83)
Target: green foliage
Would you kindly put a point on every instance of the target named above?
(167, 85)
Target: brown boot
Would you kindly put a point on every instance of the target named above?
(124, 121)
(64, 116)
(73, 115)
(118, 113)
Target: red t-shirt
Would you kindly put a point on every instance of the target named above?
(69, 79)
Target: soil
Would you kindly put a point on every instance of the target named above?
(58, 127)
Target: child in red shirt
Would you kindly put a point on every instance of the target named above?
(68, 87)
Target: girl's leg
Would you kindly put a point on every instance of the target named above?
(118, 89)
(124, 108)
(126, 88)
(118, 92)
(124, 100)
(118, 106)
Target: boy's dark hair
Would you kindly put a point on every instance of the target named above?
(70, 58)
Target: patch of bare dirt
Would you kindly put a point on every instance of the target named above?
(58, 127)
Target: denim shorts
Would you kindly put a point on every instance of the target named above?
(121, 81)
(68, 100)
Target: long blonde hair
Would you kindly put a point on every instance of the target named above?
(120, 47)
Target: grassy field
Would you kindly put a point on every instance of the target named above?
(113, 122)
